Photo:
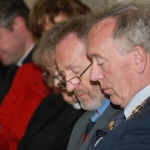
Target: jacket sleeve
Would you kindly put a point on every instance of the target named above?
(25, 94)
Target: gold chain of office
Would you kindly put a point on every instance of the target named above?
(134, 112)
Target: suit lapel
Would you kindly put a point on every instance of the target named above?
(8, 81)
(108, 115)
(78, 131)
(28, 59)
(82, 127)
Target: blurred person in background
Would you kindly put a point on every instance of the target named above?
(47, 13)
(16, 41)
(26, 94)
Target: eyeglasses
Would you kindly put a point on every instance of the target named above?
(48, 77)
(75, 80)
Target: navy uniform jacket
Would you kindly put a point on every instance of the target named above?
(133, 134)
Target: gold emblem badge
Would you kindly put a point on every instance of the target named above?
(111, 125)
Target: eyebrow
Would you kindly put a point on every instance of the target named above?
(70, 67)
(96, 54)
(93, 55)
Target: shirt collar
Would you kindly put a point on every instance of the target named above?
(76, 106)
(137, 100)
(96, 114)
(103, 106)
(19, 63)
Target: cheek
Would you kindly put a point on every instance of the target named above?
(111, 77)
(12, 47)
(4, 44)
(86, 75)
(68, 98)
(118, 77)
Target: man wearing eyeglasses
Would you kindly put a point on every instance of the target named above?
(74, 70)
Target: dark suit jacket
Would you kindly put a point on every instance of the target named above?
(133, 134)
(51, 125)
(78, 133)
(3, 71)
(7, 76)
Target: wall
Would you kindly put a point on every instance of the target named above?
(93, 4)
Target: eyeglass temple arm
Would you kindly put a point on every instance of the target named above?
(85, 70)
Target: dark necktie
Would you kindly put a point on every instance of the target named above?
(119, 119)
(99, 134)
(93, 119)
(95, 116)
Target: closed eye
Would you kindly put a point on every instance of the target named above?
(76, 73)
(100, 63)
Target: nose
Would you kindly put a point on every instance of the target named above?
(96, 73)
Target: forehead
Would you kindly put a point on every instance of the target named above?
(70, 51)
(100, 36)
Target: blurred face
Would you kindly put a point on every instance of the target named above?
(48, 24)
(11, 46)
(72, 60)
(112, 70)
(52, 68)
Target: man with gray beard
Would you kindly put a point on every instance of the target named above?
(74, 71)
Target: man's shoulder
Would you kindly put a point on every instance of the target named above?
(108, 115)
(135, 130)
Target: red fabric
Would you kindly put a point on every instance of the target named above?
(85, 137)
(18, 106)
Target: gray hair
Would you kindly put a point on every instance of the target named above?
(132, 24)
(9, 9)
(76, 25)
(46, 45)
(48, 42)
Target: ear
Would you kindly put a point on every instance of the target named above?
(19, 24)
(139, 58)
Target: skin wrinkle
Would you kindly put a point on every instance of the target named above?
(71, 57)
(126, 63)
(95, 46)
(12, 49)
(51, 67)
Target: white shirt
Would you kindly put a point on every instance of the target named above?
(76, 106)
(137, 100)
(19, 63)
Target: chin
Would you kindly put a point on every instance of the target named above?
(89, 106)
(116, 100)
